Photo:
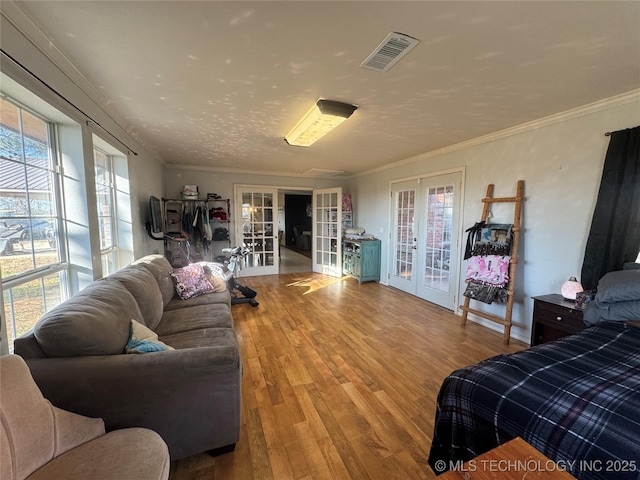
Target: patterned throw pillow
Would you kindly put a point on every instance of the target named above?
(190, 281)
(144, 340)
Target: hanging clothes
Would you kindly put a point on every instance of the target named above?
(472, 237)
(490, 269)
(489, 250)
(485, 293)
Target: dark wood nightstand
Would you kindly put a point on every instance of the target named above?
(553, 318)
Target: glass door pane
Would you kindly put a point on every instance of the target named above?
(257, 212)
(439, 218)
(327, 231)
(439, 213)
(404, 236)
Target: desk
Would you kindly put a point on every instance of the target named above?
(513, 460)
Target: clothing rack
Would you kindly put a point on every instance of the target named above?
(513, 262)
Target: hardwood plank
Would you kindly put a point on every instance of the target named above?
(337, 409)
(272, 438)
(312, 452)
(340, 434)
(340, 381)
(259, 456)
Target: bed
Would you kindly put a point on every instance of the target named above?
(576, 400)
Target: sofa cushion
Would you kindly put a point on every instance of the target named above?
(144, 288)
(144, 340)
(161, 270)
(216, 315)
(208, 337)
(126, 453)
(95, 321)
(204, 299)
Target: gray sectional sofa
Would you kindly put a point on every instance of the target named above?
(190, 395)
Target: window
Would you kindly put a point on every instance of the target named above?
(106, 198)
(31, 255)
(48, 226)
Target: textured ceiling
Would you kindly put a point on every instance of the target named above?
(218, 84)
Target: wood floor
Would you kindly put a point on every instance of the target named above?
(340, 381)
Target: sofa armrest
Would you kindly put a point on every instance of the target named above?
(184, 395)
(72, 430)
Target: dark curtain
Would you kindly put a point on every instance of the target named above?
(614, 237)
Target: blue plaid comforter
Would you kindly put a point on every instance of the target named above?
(576, 400)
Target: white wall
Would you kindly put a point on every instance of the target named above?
(146, 177)
(561, 164)
(222, 183)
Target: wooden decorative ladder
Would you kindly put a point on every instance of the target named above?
(488, 200)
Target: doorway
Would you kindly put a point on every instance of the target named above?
(294, 211)
(261, 217)
(424, 253)
(297, 222)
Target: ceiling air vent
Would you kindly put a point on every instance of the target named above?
(392, 49)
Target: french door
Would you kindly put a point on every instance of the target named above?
(404, 236)
(327, 231)
(424, 246)
(255, 229)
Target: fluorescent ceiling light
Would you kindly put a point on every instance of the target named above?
(320, 120)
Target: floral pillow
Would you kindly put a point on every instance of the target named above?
(190, 281)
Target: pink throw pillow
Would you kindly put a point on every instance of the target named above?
(190, 281)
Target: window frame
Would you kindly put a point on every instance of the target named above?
(59, 267)
(109, 264)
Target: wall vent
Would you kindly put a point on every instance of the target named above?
(387, 54)
(319, 172)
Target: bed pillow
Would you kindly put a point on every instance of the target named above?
(598, 312)
(619, 286)
(144, 340)
(190, 281)
(631, 266)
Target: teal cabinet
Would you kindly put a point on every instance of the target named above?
(361, 259)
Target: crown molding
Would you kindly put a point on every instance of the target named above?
(589, 109)
(34, 34)
(240, 171)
